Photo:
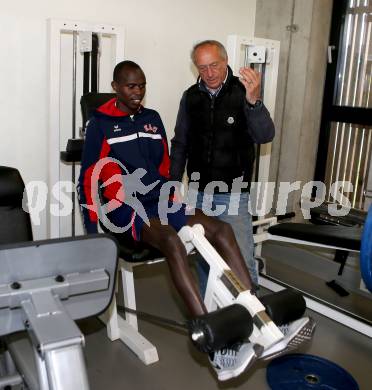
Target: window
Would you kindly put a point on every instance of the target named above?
(345, 142)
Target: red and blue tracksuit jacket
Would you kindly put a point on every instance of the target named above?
(137, 141)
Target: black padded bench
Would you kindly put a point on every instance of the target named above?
(343, 239)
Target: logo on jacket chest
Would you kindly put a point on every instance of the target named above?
(116, 128)
(150, 128)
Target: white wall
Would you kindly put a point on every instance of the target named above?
(159, 36)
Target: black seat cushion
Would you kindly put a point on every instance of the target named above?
(14, 226)
(133, 251)
(15, 223)
(320, 215)
(139, 253)
(91, 101)
(340, 236)
(88, 103)
(74, 150)
(11, 187)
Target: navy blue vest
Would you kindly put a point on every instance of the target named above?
(220, 147)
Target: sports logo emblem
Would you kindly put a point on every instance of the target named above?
(150, 129)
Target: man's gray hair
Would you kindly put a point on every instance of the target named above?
(209, 42)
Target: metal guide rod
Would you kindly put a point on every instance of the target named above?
(94, 64)
(86, 72)
(98, 60)
(73, 176)
(155, 318)
(246, 56)
(74, 57)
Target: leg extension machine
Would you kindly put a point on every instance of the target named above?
(236, 314)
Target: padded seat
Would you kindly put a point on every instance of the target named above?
(138, 253)
(320, 216)
(15, 222)
(132, 251)
(74, 150)
(90, 101)
(340, 236)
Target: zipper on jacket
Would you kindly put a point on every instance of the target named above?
(212, 109)
(213, 98)
(139, 145)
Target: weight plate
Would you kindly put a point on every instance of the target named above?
(302, 372)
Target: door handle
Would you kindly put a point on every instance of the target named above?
(330, 49)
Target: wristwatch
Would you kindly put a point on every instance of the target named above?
(258, 103)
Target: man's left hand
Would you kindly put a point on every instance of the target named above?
(251, 80)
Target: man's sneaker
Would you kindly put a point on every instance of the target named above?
(231, 362)
(295, 334)
(225, 357)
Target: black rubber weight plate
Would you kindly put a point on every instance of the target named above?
(301, 372)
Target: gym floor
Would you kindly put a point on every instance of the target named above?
(111, 365)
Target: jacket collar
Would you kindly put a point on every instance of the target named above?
(110, 109)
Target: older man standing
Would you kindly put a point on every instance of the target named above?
(220, 119)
